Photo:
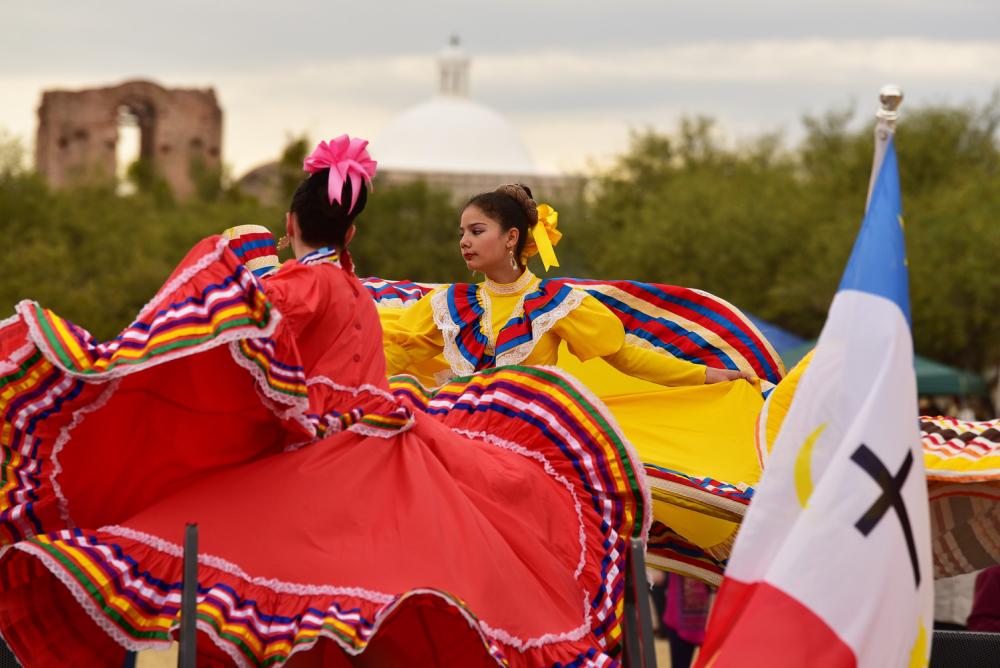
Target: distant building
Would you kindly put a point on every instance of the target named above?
(450, 142)
(455, 143)
(78, 132)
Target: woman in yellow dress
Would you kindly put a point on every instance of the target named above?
(693, 424)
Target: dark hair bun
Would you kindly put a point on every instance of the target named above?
(522, 195)
(323, 223)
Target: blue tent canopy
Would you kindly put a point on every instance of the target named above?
(781, 339)
(933, 378)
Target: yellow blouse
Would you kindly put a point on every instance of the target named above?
(413, 336)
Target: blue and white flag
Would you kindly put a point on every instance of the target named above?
(832, 566)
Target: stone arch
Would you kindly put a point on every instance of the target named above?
(78, 132)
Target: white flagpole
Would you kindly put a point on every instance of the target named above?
(889, 97)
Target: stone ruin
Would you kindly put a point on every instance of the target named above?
(78, 133)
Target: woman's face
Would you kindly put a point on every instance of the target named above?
(484, 243)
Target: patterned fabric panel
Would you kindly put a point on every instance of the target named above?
(736, 497)
(248, 621)
(254, 626)
(465, 312)
(396, 293)
(522, 403)
(965, 526)
(667, 551)
(689, 324)
(210, 300)
(959, 450)
(54, 373)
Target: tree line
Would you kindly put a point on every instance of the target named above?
(766, 226)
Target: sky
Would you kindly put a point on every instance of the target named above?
(573, 77)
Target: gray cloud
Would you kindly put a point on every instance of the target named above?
(572, 76)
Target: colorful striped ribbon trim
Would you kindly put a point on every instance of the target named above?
(682, 322)
(144, 605)
(565, 417)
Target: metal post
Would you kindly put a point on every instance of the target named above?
(638, 561)
(638, 623)
(633, 647)
(187, 654)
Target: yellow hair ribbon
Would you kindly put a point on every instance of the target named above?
(546, 236)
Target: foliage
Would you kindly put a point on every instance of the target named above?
(96, 257)
(770, 230)
(409, 232)
(766, 227)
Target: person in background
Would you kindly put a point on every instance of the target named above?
(985, 615)
(685, 617)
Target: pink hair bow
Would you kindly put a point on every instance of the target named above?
(348, 160)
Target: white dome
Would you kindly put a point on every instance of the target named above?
(449, 133)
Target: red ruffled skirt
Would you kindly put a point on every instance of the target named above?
(334, 519)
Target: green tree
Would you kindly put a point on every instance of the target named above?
(767, 227)
(770, 229)
(409, 232)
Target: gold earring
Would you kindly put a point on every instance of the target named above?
(284, 242)
(513, 262)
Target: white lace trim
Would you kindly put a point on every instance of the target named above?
(185, 276)
(395, 303)
(128, 369)
(80, 594)
(355, 391)
(548, 638)
(294, 407)
(539, 327)
(10, 320)
(633, 454)
(512, 288)
(218, 563)
(569, 636)
(278, 586)
(17, 357)
(486, 319)
(379, 432)
(65, 434)
(449, 332)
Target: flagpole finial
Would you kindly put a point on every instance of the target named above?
(890, 97)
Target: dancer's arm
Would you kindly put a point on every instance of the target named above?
(412, 337)
(591, 330)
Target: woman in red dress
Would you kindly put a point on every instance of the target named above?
(336, 524)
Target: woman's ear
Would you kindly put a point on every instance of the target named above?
(513, 234)
(290, 225)
(350, 235)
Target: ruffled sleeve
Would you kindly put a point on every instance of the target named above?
(411, 336)
(295, 292)
(592, 330)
